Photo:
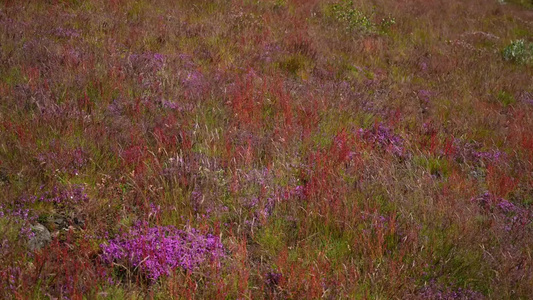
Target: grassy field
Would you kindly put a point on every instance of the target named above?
(274, 149)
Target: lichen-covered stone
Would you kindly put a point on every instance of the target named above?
(41, 237)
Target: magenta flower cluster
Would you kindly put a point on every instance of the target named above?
(64, 160)
(490, 201)
(158, 251)
(65, 197)
(516, 217)
(383, 137)
(148, 61)
(67, 33)
(471, 152)
(22, 213)
(439, 292)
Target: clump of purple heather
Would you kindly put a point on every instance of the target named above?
(65, 197)
(186, 60)
(67, 161)
(166, 104)
(66, 32)
(268, 209)
(158, 251)
(260, 210)
(273, 279)
(424, 95)
(527, 98)
(19, 217)
(490, 201)
(269, 52)
(514, 216)
(194, 82)
(436, 291)
(147, 61)
(297, 192)
(383, 137)
(206, 209)
(22, 213)
(471, 152)
(8, 280)
(115, 108)
(376, 220)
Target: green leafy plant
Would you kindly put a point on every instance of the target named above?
(506, 98)
(519, 51)
(524, 3)
(356, 20)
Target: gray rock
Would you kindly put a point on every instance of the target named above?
(4, 177)
(40, 239)
(58, 222)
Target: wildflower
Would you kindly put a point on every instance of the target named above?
(383, 137)
(157, 251)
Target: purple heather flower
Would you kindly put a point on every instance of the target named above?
(157, 251)
(423, 66)
(384, 138)
(194, 83)
(169, 104)
(488, 200)
(155, 210)
(272, 279)
(527, 98)
(252, 202)
(470, 152)
(514, 216)
(66, 32)
(437, 291)
(506, 206)
(148, 60)
(425, 95)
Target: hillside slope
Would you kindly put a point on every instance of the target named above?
(277, 149)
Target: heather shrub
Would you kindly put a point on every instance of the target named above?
(152, 252)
